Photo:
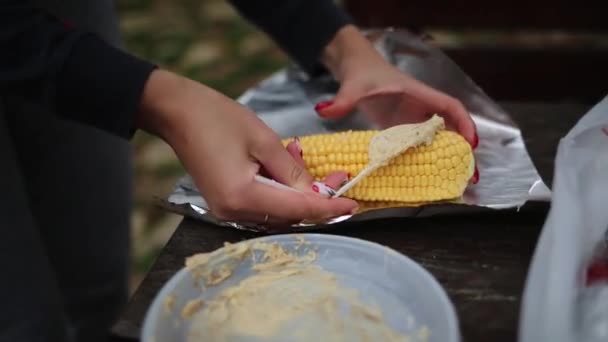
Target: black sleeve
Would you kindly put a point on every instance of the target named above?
(302, 28)
(74, 74)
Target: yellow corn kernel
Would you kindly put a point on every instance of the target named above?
(427, 169)
(436, 172)
(410, 182)
(438, 181)
(441, 164)
(424, 180)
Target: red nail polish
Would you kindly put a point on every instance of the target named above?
(315, 188)
(597, 271)
(475, 178)
(475, 141)
(323, 105)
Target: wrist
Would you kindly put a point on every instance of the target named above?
(163, 103)
(348, 50)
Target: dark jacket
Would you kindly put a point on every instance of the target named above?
(79, 76)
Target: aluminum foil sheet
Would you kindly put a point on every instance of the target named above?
(285, 102)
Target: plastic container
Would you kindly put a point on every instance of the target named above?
(407, 294)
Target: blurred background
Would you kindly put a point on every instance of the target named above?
(547, 50)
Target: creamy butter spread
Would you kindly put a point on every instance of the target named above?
(169, 303)
(191, 308)
(287, 298)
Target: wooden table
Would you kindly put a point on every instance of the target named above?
(481, 260)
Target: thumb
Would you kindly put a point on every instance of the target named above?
(331, 182)
(344, 103)
(283, 167)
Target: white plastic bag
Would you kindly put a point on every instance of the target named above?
(556, 303)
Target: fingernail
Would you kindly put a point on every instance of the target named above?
(354, 210)
(597, 271)
(349, 175)
(475, 178)
(298, 146)
(323, 105)
(323, 189)
(475, 141)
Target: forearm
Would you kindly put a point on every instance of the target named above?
(171, 103)
(73, 74)
(164, 103)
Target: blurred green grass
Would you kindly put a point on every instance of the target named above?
(207, 41)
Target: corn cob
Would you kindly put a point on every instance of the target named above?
(439, 171)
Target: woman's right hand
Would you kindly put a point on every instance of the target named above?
(223, 145)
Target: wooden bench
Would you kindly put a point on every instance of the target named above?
(539, 50)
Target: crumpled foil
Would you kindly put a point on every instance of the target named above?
(285, 102)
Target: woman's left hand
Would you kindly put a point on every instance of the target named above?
(384, 93)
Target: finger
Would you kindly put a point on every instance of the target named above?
(295, 149)
(392, 89)
(261, 203)
(331, 182)
(336, 179)
(280, 165)
(343, 104)
(475, 178)
(451, 109)
(461, 120)
(283, 205)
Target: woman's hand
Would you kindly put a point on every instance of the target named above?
(384, 93)
(223, 145)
